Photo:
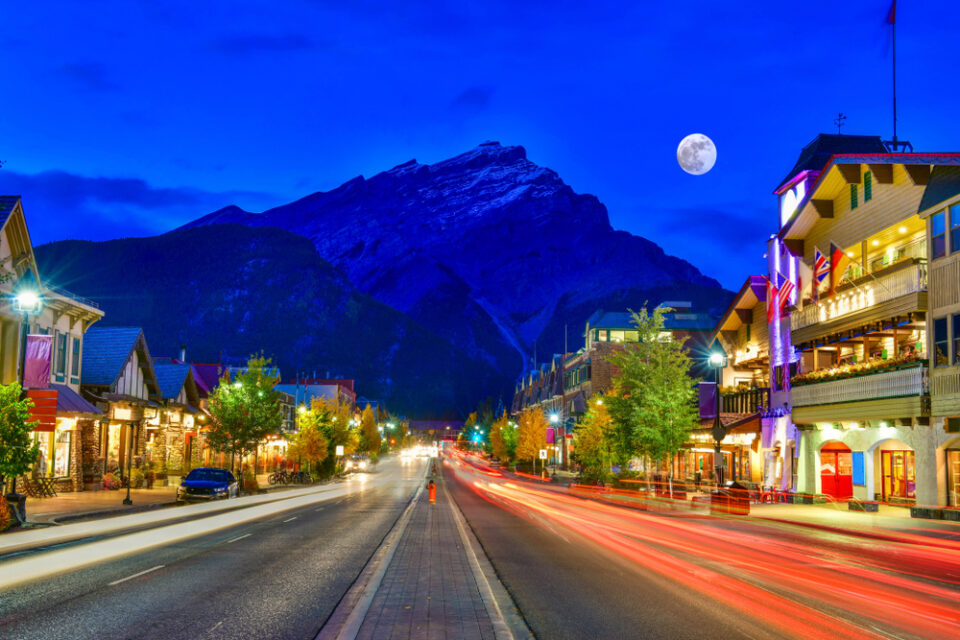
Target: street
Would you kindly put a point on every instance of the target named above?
(277, 577)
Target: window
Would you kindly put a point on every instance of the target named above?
(853, 196)
(61, 454)
(940, 343)
(61, 339)
(616, 336)
(867, 186)
(956, 338)
(602, 335)
(954, 229)
(75, 360)
(938, 234)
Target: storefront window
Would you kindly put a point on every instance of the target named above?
(43, 462)
(899, 479)
(953, 476)
(61, 453)
(938, 234)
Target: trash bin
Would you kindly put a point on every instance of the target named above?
(738, 498)
(719, 502)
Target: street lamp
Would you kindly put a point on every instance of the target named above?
(27, 301)
(718, 360)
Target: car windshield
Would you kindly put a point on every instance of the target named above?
(214, 475)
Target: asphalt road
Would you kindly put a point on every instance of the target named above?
(567, 587)
(277, 577)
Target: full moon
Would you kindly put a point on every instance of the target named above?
(696, 154)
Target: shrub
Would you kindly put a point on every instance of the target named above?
(111, 482)
(249, 481)
(6, 517)
(137, 479)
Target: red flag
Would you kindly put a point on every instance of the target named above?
(892, 18)
(772, 301)
(784, 292)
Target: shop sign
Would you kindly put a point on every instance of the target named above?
(44, 409)
(122, 414)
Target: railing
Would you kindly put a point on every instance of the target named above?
(912, 380)
(72, 296)
(746, 401)
(863, 294)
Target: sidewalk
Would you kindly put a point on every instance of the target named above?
(438, 585)
(73, 505)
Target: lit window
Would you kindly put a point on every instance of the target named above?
(938, 234)
(616, 336)
(61, 453)
(940, 343)
(602, 335)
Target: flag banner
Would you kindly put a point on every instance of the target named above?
(707, 394)
(784, 291)
(36, 365)
(892, 16)
(838, 264)
(551, 435)
(821, 266)
(805, 281)
(772, 301)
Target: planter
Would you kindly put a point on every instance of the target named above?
(951, 514)
(17, 502)
(857, 505)
(929, 513)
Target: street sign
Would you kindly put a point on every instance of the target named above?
(543, 454)
(339, 449)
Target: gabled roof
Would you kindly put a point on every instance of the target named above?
(752, 293)
(105, 352)
(171, 378)
(207, 376)
(944, 184)
(818, 152)
(7, 205)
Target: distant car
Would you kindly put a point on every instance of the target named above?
(357, 463)
(208, 484)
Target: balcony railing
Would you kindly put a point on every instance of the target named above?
(912, 380)
(745, 401)
(863, 294)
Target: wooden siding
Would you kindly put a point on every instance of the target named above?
(891, 204)
(892, 308)
(884, 409)
(945, 391)
(944, 282)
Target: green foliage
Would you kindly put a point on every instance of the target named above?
(17, 452)
(244, 410)
(309, 444)
(330, 420)
(137, 479)
(369, 435)
(503, 438)
(653, 406)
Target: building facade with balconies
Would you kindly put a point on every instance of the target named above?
(850, 362)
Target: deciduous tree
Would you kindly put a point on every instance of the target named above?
(369, 435)
(17, 452)
(593, 440)
(532, 434)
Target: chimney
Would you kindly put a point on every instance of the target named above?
(183, 353)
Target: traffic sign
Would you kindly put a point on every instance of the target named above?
(339, 449)
(543, 454)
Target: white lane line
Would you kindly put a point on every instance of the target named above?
(215, 626)
(136, 575)
(320, 509)
(291, 519)
(246, 535)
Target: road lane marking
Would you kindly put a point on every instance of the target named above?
(291, 519)
(320, 509)
(136, 575)
(246, 535)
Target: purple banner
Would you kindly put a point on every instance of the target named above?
(36, 365)
(551, 438)
(708, 399)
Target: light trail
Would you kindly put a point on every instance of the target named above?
(802, 581)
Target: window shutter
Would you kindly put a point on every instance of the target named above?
(853, 196)
(867, 186)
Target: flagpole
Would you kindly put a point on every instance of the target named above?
(893, 26)
(878, 281)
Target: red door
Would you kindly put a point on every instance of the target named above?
(836, 471)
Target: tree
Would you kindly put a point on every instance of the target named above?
(532, 435)
(498, 437)
(17, 453)
(593, 440)
(245, 409)
(309, 444)
(653, 405)
(369, 435)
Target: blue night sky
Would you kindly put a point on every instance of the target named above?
(130, 118)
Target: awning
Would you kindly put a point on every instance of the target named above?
(69, 401)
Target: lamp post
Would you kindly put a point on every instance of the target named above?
(27, 301)
(718, 360)
(558, 423)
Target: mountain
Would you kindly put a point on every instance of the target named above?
(239, 290)
(487, 249)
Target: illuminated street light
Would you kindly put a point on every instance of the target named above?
(302, 409)
(554, 418)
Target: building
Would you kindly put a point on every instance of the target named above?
(66, 318)
(172, 430)
(863, 385)
(119, 378)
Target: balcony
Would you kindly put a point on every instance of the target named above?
(745, 401)
(900, 392)
(898, 290)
